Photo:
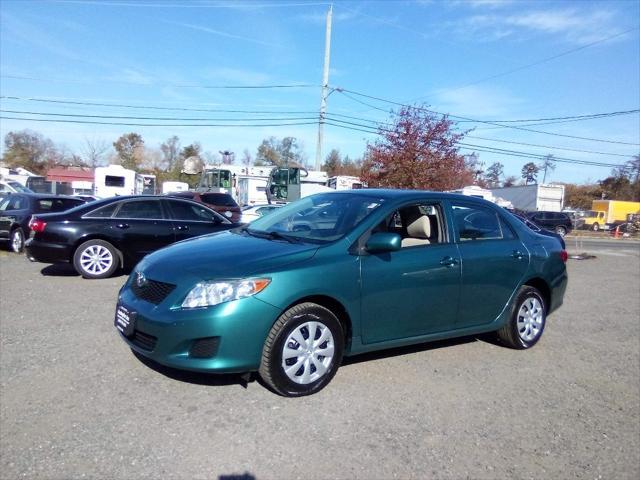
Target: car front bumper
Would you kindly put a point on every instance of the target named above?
(232, 333)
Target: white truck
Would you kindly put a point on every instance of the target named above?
(532, 198)
(116, 180)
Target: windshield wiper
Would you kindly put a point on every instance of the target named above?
(273, 236)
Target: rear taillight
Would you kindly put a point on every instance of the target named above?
(37, 225)
(564, 255)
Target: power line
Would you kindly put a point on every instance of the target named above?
(139, 84)
(488, 122)
(551, 147)
(88, 122)
(538, 62)
(572, 117)
(486, 149)
(150, 107)
(169, 119)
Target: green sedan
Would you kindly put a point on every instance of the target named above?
(340, 274)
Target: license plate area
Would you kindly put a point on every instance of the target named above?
(125, 320)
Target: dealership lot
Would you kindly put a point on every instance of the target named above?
(75, 402)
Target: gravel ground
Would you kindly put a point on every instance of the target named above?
(76, 403)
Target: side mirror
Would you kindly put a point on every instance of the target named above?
(383, 242)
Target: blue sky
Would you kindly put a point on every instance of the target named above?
(488, 60)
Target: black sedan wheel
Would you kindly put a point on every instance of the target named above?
(96, 259)
(528, 318)
(302, 351)
(560, 230)
(17, 240)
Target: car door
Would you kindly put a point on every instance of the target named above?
(13, 209)
(190, 219)
(141, 227)
(494, 262)
(415, 290)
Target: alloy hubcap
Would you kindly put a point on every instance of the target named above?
(17, 241)
(308, 352)
(530, 319)
(96, 259)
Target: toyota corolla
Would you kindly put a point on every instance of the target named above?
(339, 274)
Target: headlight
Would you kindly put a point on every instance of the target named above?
(206, 294)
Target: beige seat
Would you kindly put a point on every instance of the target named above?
(419, 232)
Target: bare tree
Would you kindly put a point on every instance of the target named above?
(246, 159)
(94, 151)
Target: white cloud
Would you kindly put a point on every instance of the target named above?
(220, 33)
(476, 102)
(575, 25)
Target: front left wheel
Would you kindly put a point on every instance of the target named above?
(302, 351)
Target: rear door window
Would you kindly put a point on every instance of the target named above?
(190, 212)
(476, 223)
(141, 209)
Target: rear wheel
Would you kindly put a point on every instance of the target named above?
(528, 318)
(96, 259)
(17, 240)
(561, 230)
(302, 351)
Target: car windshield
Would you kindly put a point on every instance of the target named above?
(18, 187)
(319, 218)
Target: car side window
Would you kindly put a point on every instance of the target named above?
(476, 223)
(16, 202)
(190, 212)
(103, 212)
(418, 224)
(142, 209)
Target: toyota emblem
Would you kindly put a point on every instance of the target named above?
(141, 280)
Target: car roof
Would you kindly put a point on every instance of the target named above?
(40, 196)
(394, 194)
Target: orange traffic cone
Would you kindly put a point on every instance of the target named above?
(617, 232)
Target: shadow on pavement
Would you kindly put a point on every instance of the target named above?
(197, 378)
(59, 270)
(421, 347)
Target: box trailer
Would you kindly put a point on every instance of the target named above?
(532, 198)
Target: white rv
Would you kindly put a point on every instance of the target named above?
(170, 187)
(345, 182)
(116, 180)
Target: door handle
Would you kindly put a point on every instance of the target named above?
(122, 226)
(517, 254)
(448, 262)
(183, 228)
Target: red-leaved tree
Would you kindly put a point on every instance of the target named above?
(419, 151)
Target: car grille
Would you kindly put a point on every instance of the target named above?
(204, 347)
(152, 291)
(143, 340)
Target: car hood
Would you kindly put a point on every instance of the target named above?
(221, 255)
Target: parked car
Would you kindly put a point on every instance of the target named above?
(11, 186)
(542, 231)
(101, 236)
(16, 210)
(555, 221)
(223, 203)
(391, 268)
(253, 212)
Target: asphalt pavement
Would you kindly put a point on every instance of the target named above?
(76, 403)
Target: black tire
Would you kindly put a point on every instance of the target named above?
(561, 230)
(520, 331)
(272, 369)
(106, 261)
(595, 227)
(17, 240)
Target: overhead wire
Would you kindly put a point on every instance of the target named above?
(488, 122)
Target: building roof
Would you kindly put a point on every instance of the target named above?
(70, 174)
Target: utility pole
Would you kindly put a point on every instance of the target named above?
(325, 88)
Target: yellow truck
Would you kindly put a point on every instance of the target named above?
(606, 214)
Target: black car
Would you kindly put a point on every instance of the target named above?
(555, 221)
(102, 236)
(16, 210)
(540, 230)
(223, 203)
